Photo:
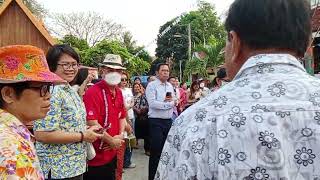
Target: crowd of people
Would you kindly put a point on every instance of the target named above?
(261, 125)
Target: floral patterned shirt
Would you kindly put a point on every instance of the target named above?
(67, 113)
(265, 124)
(18, 158)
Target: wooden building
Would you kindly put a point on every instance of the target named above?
(19, 26)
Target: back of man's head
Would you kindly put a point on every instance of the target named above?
(271, 24)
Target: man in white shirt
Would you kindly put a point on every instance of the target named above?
(161, 100)
(265, 123)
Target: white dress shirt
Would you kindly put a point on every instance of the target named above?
(156, 94)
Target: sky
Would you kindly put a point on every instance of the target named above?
(142, 18)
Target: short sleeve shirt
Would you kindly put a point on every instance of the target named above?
(67, 113)
(18, 157)
(96, 110)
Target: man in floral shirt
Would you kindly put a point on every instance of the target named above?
(265, 123)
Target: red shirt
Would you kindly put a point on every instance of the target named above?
(96, 110)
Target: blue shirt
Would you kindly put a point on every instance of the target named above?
(156, 94)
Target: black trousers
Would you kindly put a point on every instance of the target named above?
(159, 129)
(105, 172)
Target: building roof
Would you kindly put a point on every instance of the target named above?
(32, 18)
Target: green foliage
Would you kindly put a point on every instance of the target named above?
(205, 26)
(92, 56)
(213, 58)
(75, 42)
(96, 54)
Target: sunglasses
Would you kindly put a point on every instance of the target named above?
(124, 79)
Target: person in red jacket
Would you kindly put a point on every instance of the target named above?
(105, 107)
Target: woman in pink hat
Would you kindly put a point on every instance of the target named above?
(25, 84)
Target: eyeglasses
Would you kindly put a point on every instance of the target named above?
(123, 79)
(67, 66)
(44, 89)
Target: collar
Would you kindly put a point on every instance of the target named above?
(161, 83)
(66, 87)
(264, 63)
(11, 121)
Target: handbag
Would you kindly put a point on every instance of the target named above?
(131, 141)
(91, 153)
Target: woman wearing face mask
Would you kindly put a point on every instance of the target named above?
(62, 135)
(220, 80)
(25, 84)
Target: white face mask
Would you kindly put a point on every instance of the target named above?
(113, 78)
(202, 85)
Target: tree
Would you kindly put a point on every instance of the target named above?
(90, 26)
(75, 42)
(95, 55)
(127, 41)
(174, 43)
(213, 58)
(35, 7)
(131, 45)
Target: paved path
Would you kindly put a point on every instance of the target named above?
(141, 160)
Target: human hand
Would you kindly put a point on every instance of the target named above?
(89, 78)
(91, 135)
(128, 129)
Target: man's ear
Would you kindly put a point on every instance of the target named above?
(236, 46)
(8, 94)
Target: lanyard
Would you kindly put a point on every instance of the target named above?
(106, 125)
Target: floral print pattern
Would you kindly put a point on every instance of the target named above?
(304, 156)
(255, 134)
(277, 89)
(200, 115)
(198, 146)
(259, 174)
(268, 139)
(223, 156)
(67, 113)
(221, 101)
(18, 158)
(24, 62)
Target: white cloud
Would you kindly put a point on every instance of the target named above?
(142, 17)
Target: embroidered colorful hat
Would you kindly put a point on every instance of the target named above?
(20, 63)
(112, 61)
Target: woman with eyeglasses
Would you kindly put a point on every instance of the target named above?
(62, 135)
(25, 81)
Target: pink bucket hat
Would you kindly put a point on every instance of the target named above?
(20, 63)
